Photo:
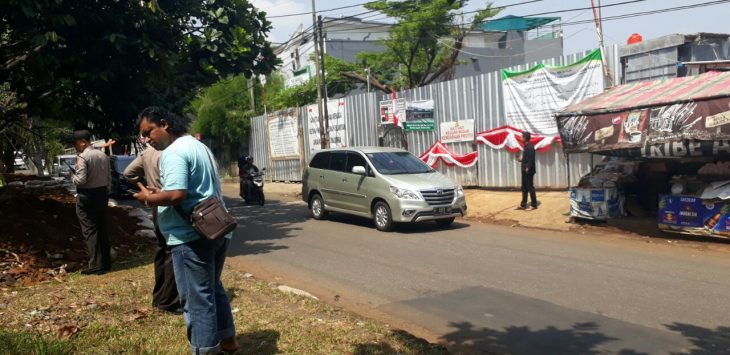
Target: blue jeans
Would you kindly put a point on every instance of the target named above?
(208, 318)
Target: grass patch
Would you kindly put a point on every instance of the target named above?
(112, 314)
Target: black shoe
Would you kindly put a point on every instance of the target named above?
(176, 311)
(521, 207)
(94, 272)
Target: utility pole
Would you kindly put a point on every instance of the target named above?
(251, 94)
(322, 131)
(323, 68)
(599, 29)
(367, 70)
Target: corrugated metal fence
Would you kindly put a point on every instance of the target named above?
(277, 170)
(477, 97)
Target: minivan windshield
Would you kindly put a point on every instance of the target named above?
(391, 163)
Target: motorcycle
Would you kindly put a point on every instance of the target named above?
(256, 190)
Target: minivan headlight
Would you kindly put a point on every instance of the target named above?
(404, 194)
(459, 191)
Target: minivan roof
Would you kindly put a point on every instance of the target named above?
(364, 150)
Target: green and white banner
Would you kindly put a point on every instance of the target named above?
(532, 97)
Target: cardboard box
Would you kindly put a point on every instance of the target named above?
(596, 203)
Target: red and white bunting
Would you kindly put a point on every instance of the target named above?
(510, 138)
(439, 152)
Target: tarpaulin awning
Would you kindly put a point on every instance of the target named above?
(655, 93)
(688, 116)
(516, 23)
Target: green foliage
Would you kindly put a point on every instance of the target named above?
(296, 96)
(31, 343)
(306, 93)
(223, 110)
(101, 62)
(422, 44)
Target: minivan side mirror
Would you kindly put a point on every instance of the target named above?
(359, 170)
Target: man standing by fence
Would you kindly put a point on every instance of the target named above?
(527, 170)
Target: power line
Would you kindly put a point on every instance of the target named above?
(584, 8)
(615, 17)
(651, 12)
(371, 11)
(447, 45)
(581, 22)
(307, 31)
(319, 11)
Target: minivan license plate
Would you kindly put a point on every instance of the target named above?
(440, 210)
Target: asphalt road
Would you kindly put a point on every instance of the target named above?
(495, 289)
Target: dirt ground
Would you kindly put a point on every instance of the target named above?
(486, 206)
(41, 237)
(500, 207)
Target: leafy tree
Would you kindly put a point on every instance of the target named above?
(100, 62)
(423, 45)
(223, 110)
(306, 93)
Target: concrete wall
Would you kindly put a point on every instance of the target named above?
(662, 58)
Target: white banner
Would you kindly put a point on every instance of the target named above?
(532, 97)
(283, 129)
(337, 122)
(457, 131)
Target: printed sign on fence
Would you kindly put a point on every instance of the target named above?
(336, 120)
(457, 131)
(419, 116)
(283, 127)
(390, 108)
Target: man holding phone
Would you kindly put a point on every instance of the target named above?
(146, 169)
(92, 178)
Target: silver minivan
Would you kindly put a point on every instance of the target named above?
(386, 184)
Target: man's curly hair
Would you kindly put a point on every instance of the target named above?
(178, 125)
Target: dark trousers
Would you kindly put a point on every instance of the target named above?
(91, 210)
(164, 295)
(528, 186)
(246, 186)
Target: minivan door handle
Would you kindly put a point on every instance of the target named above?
(321, 176)
(344, 179)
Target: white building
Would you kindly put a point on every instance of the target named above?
(500, 43)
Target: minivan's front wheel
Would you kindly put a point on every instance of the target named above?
(445, 222)
(316, 206)
(382, 217)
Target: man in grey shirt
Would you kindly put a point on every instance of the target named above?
(92, 178)
(146, 169)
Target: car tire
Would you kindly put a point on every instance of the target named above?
(445, 222)
(316, 207)
(382, 217)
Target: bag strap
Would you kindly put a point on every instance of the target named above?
(214, 171)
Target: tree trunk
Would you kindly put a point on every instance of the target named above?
(373, 81)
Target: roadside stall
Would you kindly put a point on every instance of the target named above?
(669, 148)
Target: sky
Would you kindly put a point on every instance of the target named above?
(576, 38)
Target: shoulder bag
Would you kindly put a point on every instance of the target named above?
(209, 217)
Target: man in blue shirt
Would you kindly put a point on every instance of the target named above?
(189, 176)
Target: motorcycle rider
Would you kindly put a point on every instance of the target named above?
(244, 172)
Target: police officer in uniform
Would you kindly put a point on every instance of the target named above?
(92, 178)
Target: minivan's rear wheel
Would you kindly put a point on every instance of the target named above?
(445, 222)
(382, 216)
(316, 206)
